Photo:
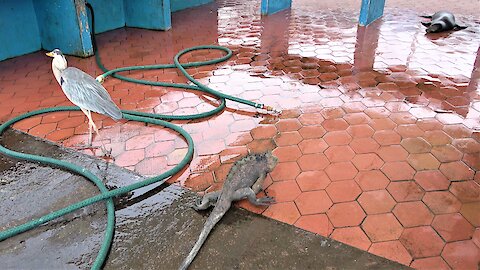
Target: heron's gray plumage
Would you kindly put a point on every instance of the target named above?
(84, 91)
(87, 93)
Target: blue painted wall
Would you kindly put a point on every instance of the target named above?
(177, 5)
(370, 11)
(29, 25)
(113, 14)
(271, 6)
(19, 33)
(109, 14)
(150, 14)
(63, 24)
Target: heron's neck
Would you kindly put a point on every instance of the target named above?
(59, 64)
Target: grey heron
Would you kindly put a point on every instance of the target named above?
(83, 91)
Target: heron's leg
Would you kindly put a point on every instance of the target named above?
(90, 135)
(106, 153)
(90, 120)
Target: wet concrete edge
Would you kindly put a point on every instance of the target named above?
(155, 226)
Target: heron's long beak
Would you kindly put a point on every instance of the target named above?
(50, 54)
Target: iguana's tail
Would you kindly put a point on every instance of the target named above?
(217, 213)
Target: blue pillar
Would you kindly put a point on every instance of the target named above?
(370, 11)
(109, 14)
(272, 6)
(19, 32)
(63, 24)
(150, 14)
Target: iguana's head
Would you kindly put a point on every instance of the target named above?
(271, 161)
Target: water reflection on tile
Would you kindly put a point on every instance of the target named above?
(377, 120)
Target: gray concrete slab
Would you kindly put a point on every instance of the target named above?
(155, 226)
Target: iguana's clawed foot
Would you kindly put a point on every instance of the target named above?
(265, 201)
(202, 204)
(197, 205)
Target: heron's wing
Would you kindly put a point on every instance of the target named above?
(85, 92)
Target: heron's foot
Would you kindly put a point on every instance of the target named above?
(107, 153)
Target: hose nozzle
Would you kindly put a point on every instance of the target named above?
(100, 79)
(272, 110)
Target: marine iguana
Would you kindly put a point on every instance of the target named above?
(244, 180)
(441, 21)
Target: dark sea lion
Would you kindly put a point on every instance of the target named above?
(441, 21)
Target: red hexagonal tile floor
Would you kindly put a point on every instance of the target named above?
(379, 141)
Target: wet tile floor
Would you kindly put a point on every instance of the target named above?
(379, 141)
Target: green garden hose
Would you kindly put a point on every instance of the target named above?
(150, 118)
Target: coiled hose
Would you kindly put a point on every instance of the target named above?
(156, 119)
